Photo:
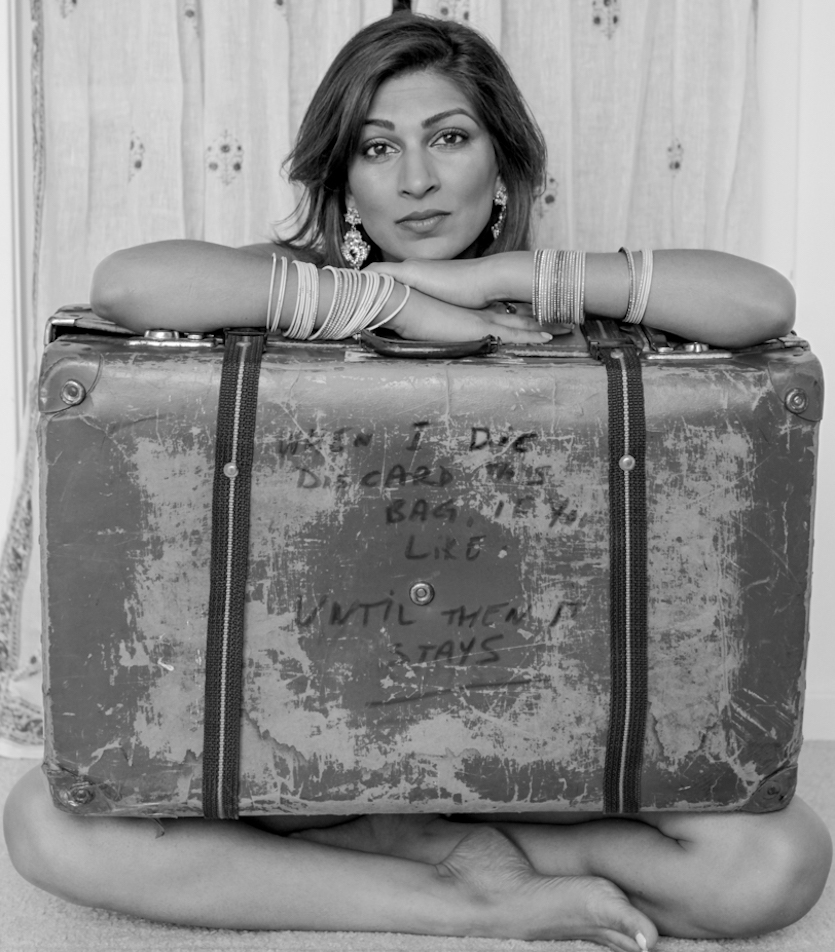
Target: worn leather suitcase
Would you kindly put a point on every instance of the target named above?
(429, 605)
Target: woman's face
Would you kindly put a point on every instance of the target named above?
(425, 173)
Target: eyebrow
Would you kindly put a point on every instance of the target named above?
(431, 121)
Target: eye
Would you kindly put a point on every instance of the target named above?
(452, 137)
(378, 149)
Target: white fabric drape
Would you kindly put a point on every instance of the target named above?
(171, 118)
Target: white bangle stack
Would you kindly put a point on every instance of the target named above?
(359, 298)
(639, 287)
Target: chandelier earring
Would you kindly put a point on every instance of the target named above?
(354, 249)
(500, 199)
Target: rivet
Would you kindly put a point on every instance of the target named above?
(72, 393)
(627, 463)
(797, 400)
(230, 470)
(421, 593)
(78, 795)
(772, 790)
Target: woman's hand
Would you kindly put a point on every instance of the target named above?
(427, 318)
(455, 300)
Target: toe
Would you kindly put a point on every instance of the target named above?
(619, 921)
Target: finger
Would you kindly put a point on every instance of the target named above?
(392, 268)
(511, 307)
(518, 335)
(473, 326)
(512, 336)
(510, 328)
(521, 321)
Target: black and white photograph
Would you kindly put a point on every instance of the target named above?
(416, 534)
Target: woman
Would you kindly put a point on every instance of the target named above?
(419, 133)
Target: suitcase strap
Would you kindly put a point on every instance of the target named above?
(628, 573)
(237, 406)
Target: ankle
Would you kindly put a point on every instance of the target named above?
(466, 909)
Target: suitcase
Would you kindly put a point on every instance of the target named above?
(430, 603)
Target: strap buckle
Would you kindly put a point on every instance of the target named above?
(607, 335)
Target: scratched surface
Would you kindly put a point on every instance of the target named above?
(486, 479)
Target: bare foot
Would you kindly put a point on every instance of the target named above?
(518, 902)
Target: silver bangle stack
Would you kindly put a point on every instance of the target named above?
(359, 298)
(559, 283)
(639, 287)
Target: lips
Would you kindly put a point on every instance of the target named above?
(422, 215)
(423, 222)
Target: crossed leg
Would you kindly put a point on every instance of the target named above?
(605, 879)
(235, 875)
(693, 875)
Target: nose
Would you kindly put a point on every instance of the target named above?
(418, 175)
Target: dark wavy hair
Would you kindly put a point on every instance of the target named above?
(330, 131)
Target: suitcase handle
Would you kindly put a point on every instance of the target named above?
(429, 349)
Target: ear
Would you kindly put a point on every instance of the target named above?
(499, 184)
(349, 198)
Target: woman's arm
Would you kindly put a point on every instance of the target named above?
(198, 286)
(709, 296)
(183, 285)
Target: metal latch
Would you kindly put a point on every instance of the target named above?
(80, 317)
(174, 340)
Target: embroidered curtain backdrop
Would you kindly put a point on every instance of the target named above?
(171, 118)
